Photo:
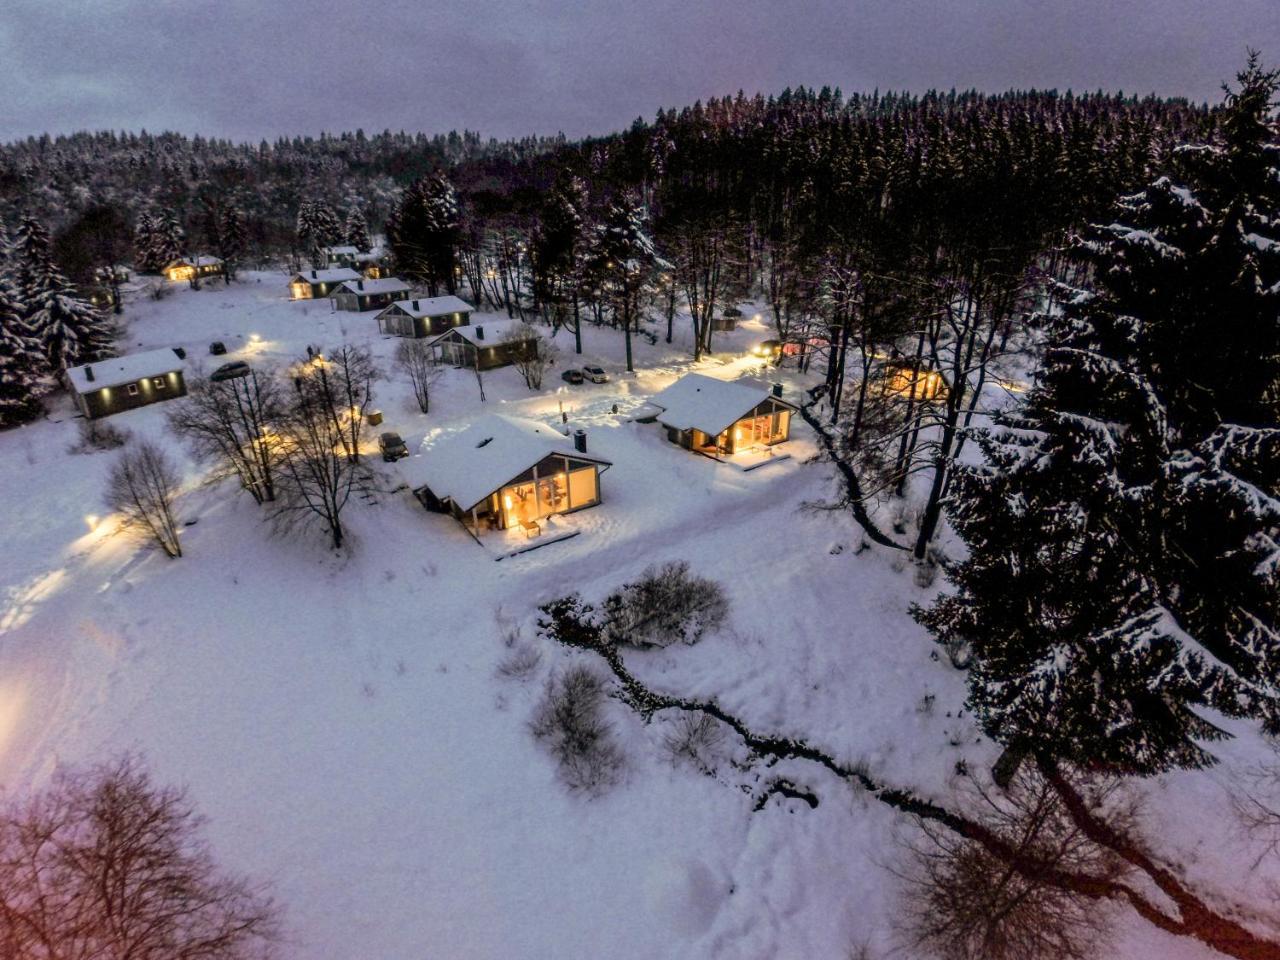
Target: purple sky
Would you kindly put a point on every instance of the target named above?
(258, 68)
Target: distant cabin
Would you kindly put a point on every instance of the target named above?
(504, 473)
(122, 383)
(371, 266)
(424, 316)
(340, 256)
(360, 295)
(482, 346)
(905, 380)
(200, 266)
(721, 417)
(316, 284)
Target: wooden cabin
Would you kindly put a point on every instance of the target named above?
(338, 256)
(123, 383)
(902, 379)
(371, 266)
(360, 295)
(483, 346)
(505, 473)
(424, 316)
(317, 284)
(721, 417)
(189, 268)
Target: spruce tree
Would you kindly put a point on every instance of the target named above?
(1122, 586)
(317, 228)
(232, 239)
(144, 253)
(356, 229)
(20, 381)
(424, 232)
(167, 239)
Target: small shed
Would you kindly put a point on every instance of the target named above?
(359, 295)
(503, 473)
(483, 346)
(722, 417)
(189, 268)
(424, 316)
(316, 284)
(123, 383)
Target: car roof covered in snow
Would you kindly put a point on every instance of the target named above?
(332, 275)
(468, 465)
(387, 285)
(697, 401)
(433, 306)
(121, 370)
(494, 331)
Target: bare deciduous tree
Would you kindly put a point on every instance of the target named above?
(569, 720)
(230, 424)
(340, 384)
(143, 488)
(532, 353)
(106, 865)
(415, 360)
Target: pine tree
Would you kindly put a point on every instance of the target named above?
(356, 229)
(19, 374)
(232, 239)
(167, 239)
(424, 231)
(1123, 579)
(144, 252)
(317, 228)
(623, 258)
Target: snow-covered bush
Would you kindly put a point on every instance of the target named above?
(570, 721)
(99, 435)
(667, 604)
(695, 739)
(522, 658)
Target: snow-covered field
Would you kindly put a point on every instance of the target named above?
(339, 720)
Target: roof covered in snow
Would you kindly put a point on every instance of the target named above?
(345, 250)
(121, 370)
(433, 306)
(697, 401)
(386, 285)
(485, 333)
(201, 260)
(332, 275)
(478, 460)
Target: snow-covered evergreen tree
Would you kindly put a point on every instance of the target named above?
(356, 229)
(622, 259)
(317, 227)
(167, 239)
(20, 381)
(144, 252)
(1122, 588)
(423, 233)
(233, 238)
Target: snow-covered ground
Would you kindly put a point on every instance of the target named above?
(339, 720)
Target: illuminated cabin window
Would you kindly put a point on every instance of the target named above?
(300, 291)
(158, 382)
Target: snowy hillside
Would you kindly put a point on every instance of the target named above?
(340, 720)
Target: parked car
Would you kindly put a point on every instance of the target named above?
(217, 348)
(392, 447)
(571, 376)
(769, 350)
(230, 371)
(595, 374)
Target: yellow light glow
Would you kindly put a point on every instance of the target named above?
(506, 502)
(92, 520)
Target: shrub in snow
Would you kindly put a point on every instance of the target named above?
(522, 658)
(695, 739)
(570, 721)
(99, 435)
(667, 604)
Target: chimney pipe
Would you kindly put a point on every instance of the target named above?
(580, 440)
(777, 389)
(479, 333)
(313, 274)
(415, 304)
(359, 284)
(88, 374)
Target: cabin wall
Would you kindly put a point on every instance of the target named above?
(110, 400)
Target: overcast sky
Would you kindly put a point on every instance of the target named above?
(249, 69)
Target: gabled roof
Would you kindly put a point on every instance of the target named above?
(343, 249)
(483, 334)
(697, 401)
(121, 370)
(201, 260)
(386, 285)
(332, 275)
(480, 459)
(432, 306)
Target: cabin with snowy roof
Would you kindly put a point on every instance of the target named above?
(424, 316)
(721, 417)
(504, 473)
(316, 284)
(483, 346)
(190, 268)
(123, 383)
(360, 295)
(339, 256)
